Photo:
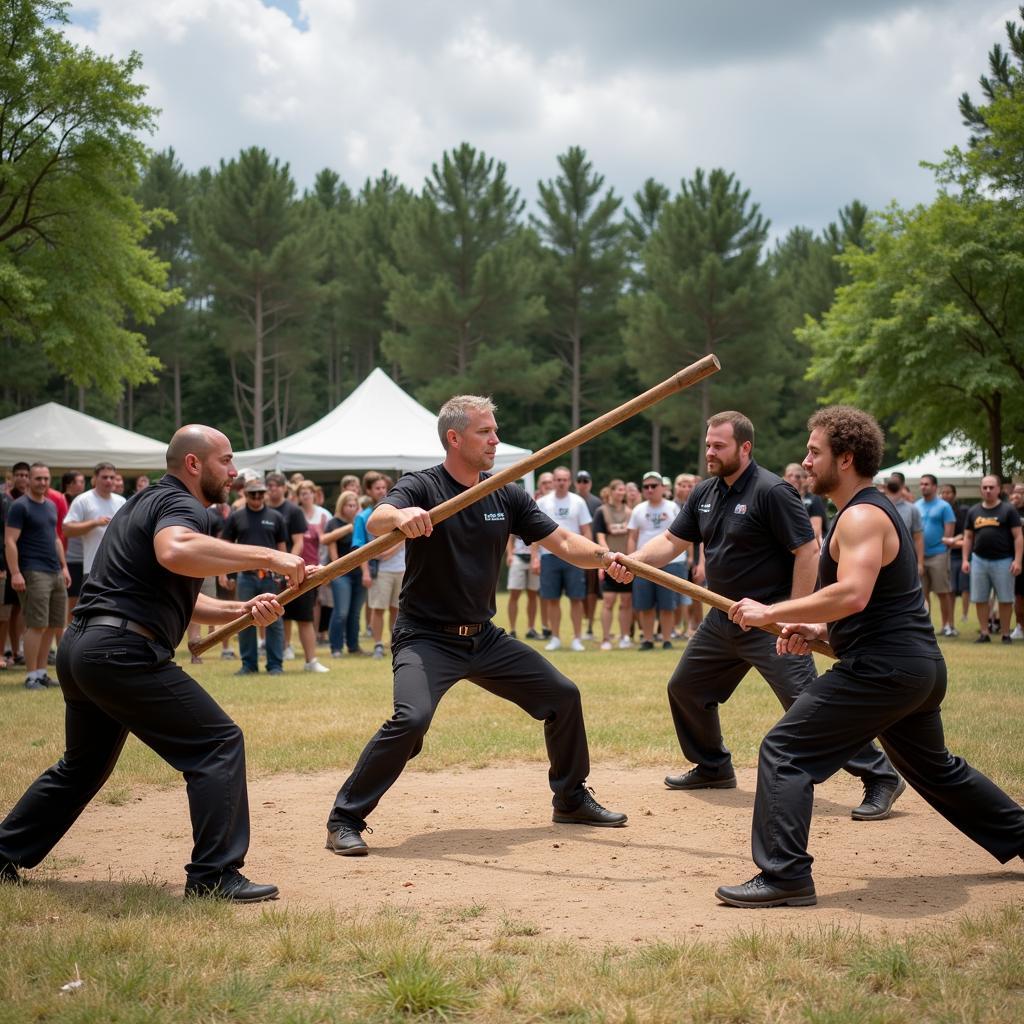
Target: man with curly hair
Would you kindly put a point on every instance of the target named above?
(889, 680)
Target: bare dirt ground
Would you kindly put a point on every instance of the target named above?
(477, 848)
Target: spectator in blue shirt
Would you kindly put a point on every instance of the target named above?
(937, 520)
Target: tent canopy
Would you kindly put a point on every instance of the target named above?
(59, 436)
(379, 426)
(952, 462)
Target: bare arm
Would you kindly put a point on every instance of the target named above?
(11, 535)
(965, 565)
(333, 536)
(1018, 549)
(188, 553)
(805, 569)
(209, 611)
(574, 548)
(660, 550)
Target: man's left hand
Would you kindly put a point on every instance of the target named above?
(614, 568)
(748, 613)
(265, 609)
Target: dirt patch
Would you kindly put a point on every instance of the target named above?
(477, 849)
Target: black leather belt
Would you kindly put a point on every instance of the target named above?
(119, 623)
(470, 630)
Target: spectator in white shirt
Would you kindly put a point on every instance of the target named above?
(91, 511)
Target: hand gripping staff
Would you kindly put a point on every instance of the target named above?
(666, 579)
(679, 381)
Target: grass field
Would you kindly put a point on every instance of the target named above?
(146, 956)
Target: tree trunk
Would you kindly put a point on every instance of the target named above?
(656, 446)
(575, 388)
(995, 435)
(257, 375)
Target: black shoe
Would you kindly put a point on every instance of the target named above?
(546, 634)
(667, 645)
(9, 874)
(245, 671)
(51, 658)
(696, 779)
(589, 812)
(34, 683)
(532, 634)
(236, 888)
(878, 800)
(50, 682)
(759, 892)
(346, 841)
(1007, 639)
(983, 638)
(645, 645)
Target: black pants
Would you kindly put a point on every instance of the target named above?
(427, 664)
(898, 700)
(715, 661)
(117, 682)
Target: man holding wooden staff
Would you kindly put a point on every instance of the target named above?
(758, 542)
(117, 672)
(889, 681)
(444, 631)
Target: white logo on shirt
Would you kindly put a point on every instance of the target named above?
(740, 510)
(706, 507)
(494, 517)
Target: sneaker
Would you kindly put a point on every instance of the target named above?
(34, 683)
(228, 655)
(546, 633)
(289, 653)
(337, 654)
(983, 638)
(947, 631)
(315, 666)
(378, 651)
(273, 672)
(667, 645)
(1007, 638)
(588, 635)
(646, 645)
(577, 644)
(625, 643)
(246, 671)
(554, 644)
(1017, 634)
(532, 634)
(589, 812)
(49, 681)
(606, 645)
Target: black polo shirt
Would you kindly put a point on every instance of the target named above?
(749, 531)
(265, 528)
(126, 578)
(294, 520)
(451, 576)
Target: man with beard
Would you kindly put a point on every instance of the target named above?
(444, 631)
(758, 543)
(116, 671)
(889, 680)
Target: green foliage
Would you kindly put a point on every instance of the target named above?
(464, 287)
(932, 322)
(72, 266)
(258, 260)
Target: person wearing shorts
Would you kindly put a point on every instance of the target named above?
(992, 555)
(521, 577)
(939, 523)
(557, 576)
(384, 591)
(38, 572)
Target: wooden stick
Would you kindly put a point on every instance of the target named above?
(666, 579)
(679, 381)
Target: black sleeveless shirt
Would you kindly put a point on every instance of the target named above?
(895, 620)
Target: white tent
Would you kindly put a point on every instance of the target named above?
(61, 437)
(952, 462)
(378, 426)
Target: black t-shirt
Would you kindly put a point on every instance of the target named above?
(815, 507)
(37, 521)
(992, 529)
(126, 578)
(294, 520)
(217, 520)
(264, 529)
(344, 545)
(451, 576)
(748, 530)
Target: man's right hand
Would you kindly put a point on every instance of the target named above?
(17, 581)
(292, 567)
(413, 522)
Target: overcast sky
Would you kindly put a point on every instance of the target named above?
(812, 103)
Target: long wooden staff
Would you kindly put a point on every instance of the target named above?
(684, 378)
(666, 579)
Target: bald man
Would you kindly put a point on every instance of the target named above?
(117, 675)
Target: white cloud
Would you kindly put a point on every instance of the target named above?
(811, 108)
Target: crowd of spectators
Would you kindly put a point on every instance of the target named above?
(51, 537)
